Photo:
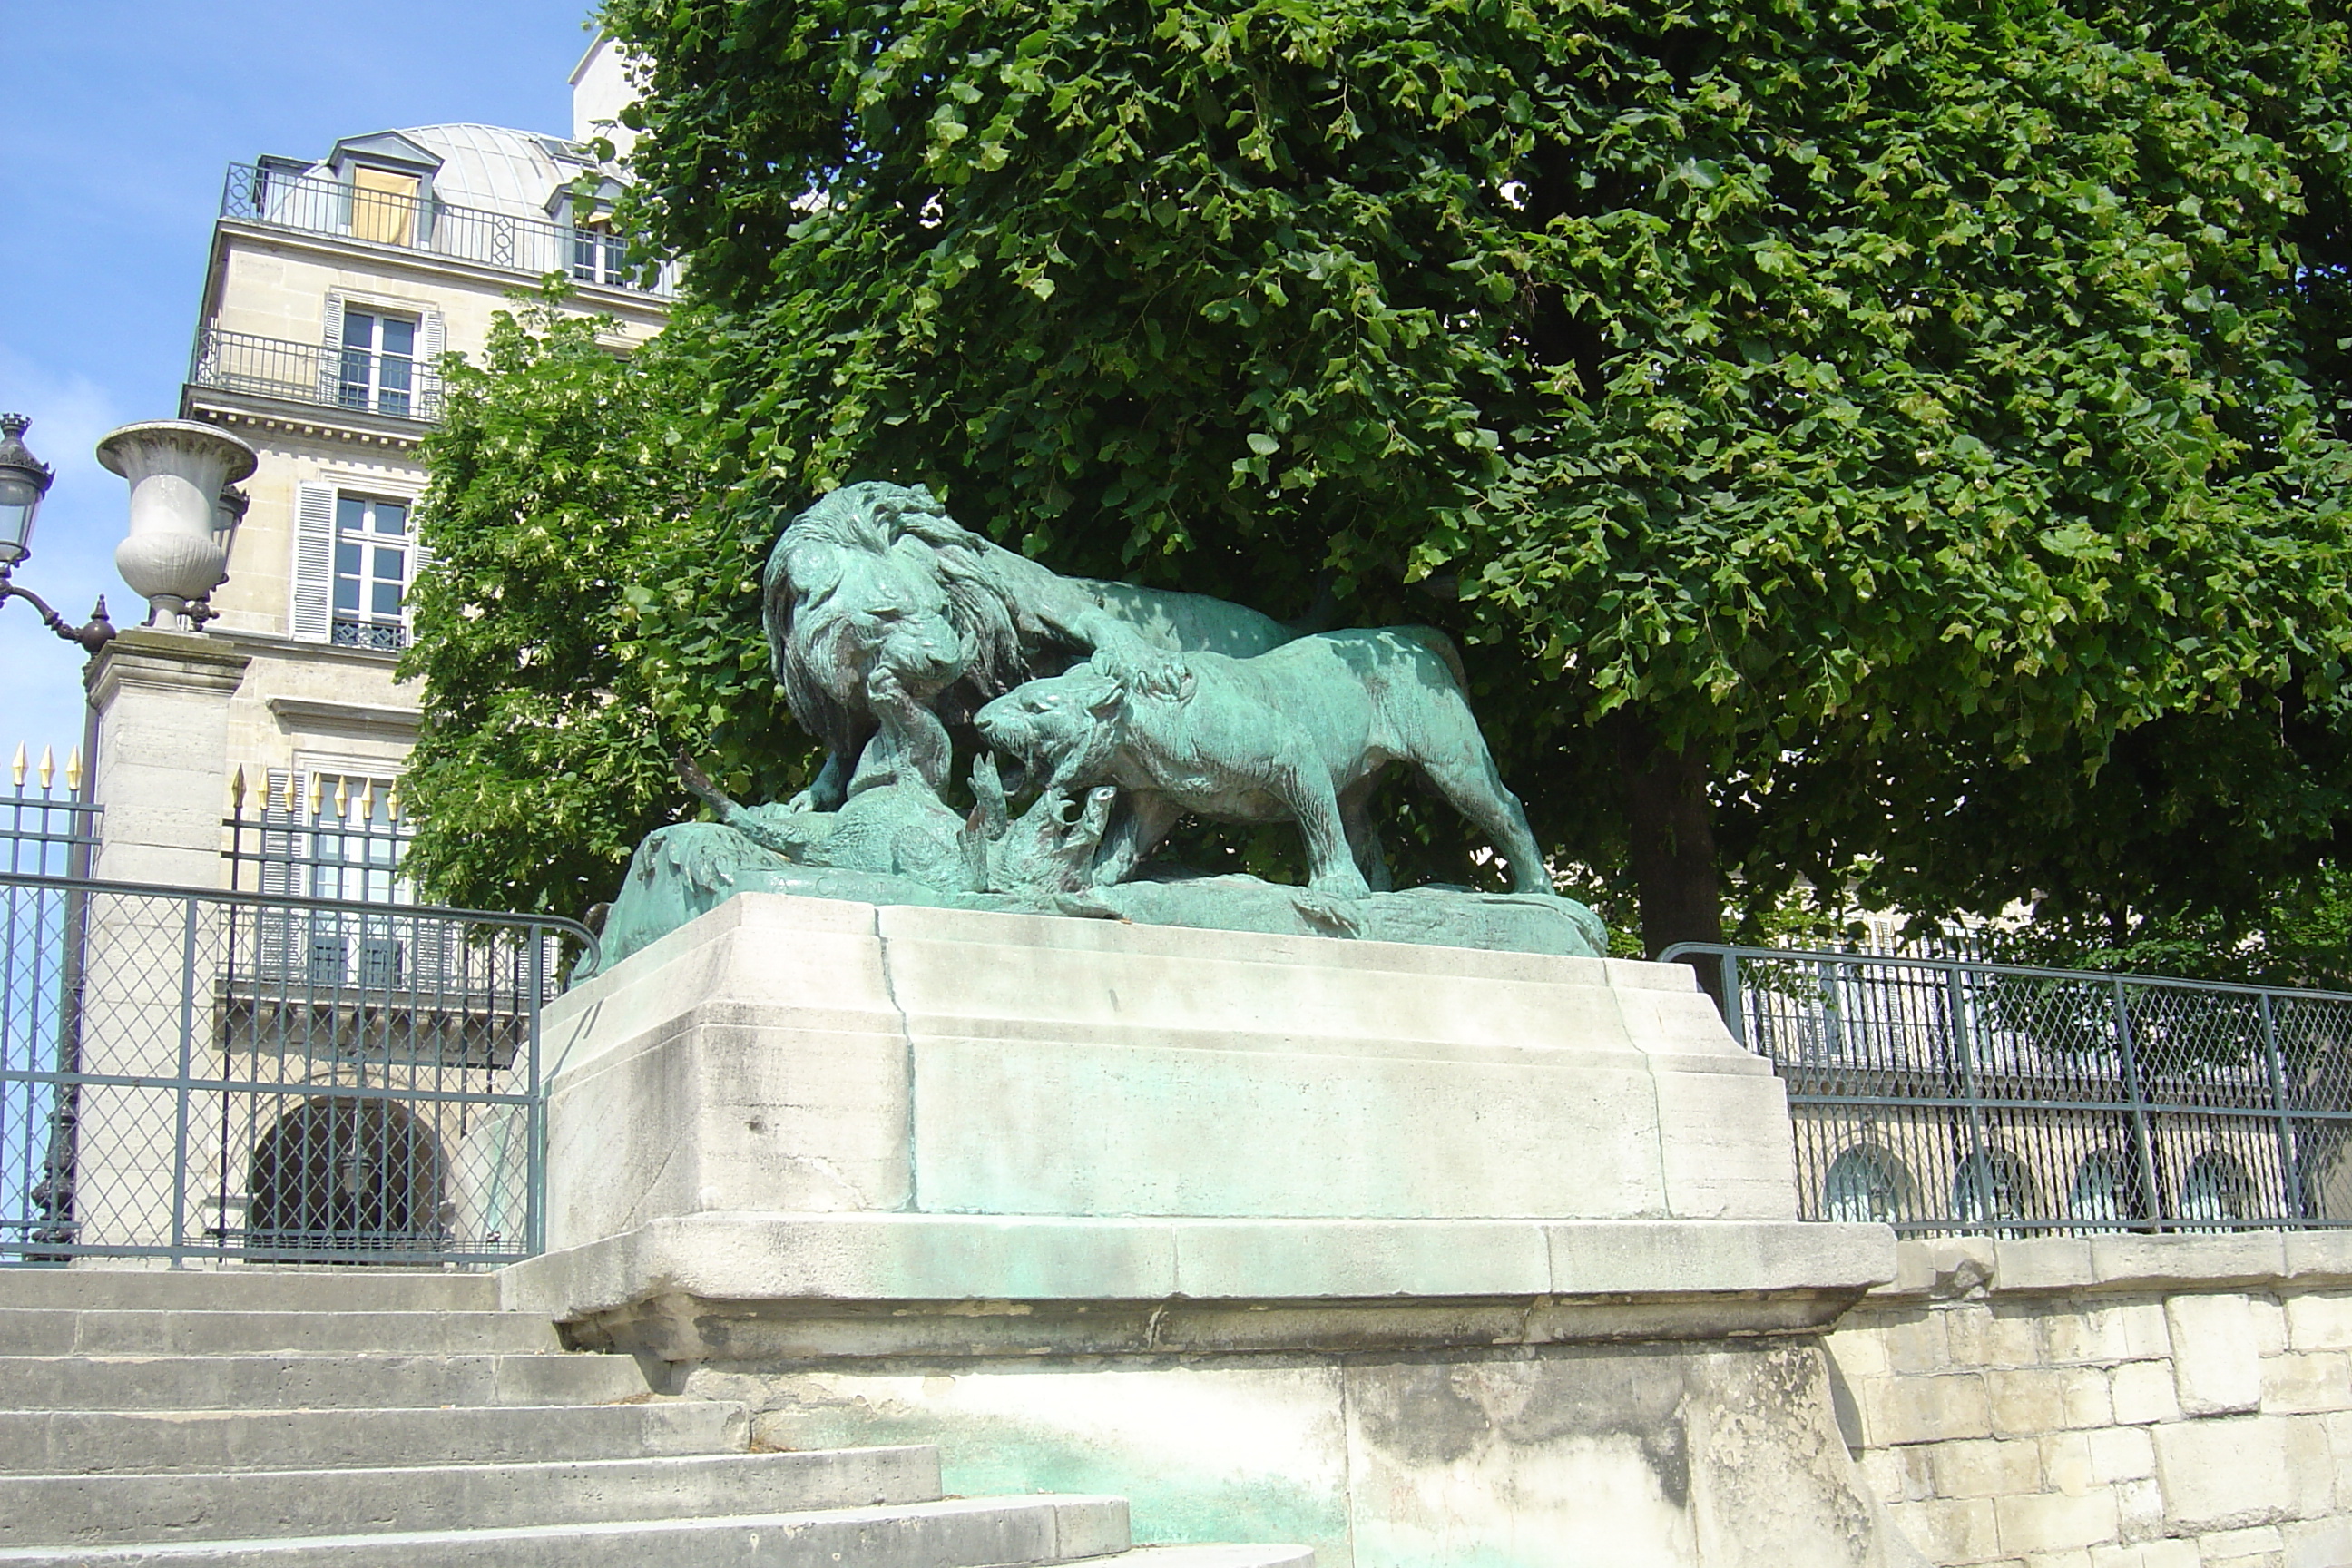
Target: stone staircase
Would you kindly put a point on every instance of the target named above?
(361, 1419)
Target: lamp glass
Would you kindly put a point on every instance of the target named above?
(20, 500)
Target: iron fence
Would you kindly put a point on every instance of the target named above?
(183, 1076)
(47, 833)
(391, 384)
(314, 205)
(1946, 1095)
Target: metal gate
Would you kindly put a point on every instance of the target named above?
(188, 1073)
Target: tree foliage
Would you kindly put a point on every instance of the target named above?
(1838, 432)
(579, 622)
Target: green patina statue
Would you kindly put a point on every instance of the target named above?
(899, 635)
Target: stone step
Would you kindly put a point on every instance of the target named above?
(250, 1290)
(57, 1330)
(97, 1442)
(1216, 1555)
(1003, 1532)
(95, 1511)
(297, 1383)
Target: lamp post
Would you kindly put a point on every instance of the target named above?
(24, 481)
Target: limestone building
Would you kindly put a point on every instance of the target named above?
(257, 744)
(333, 285)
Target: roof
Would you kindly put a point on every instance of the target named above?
(490, 165)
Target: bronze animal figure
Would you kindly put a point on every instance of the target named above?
(1302, 732)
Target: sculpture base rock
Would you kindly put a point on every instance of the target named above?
(682, 872)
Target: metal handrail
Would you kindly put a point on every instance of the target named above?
(356, 906)
(425, 224)
(1682, 950)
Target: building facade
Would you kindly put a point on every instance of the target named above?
(329, 1060)
(333, 288)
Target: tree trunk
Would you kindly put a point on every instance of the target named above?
(1672, 825)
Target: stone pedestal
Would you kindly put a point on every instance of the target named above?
(1421, 1255)
(163, 701)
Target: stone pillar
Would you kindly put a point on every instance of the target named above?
(162, 745)
(163, 701)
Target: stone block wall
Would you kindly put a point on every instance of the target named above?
(2126, 1402)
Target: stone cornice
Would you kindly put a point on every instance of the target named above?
(164, 660)
(268, 416)
(316, 713)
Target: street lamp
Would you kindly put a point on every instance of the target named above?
(24, 481)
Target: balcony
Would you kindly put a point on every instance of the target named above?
(388, 385)
(531, 245)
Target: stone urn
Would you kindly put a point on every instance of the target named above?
(177, 470)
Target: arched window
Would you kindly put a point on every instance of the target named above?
(1866, 1185)
(1992, 1188)
(2216, 1190)
(346, 1173)
(2104, 1191)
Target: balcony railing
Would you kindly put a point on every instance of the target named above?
(533, 246)
(388, 384)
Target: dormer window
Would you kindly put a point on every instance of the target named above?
(598, 255)
(383, 205)
(388, 182)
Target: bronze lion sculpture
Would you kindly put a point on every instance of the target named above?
(889, 622)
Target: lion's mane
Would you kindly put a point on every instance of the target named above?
(871, 519)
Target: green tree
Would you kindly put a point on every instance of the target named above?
(579, 623)
(1774, 388)
(1795, 410)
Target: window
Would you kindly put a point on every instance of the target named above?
(1992, 1186)
(373, 554)
(2216, 1192)
(1866, 1186)
(2103, 1191)
(383, 205)
(338, 837)
(593, 249)
(379, 363)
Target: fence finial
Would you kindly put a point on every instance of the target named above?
(48, 768)
(317, 792)
(343, 797)
(367, 800)
(73, 772)
(236, 791)
(391, 802)
(17, 768)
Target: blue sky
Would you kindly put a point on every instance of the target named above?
(119, 118)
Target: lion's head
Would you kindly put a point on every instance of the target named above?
(1063, 729)
(871, 567)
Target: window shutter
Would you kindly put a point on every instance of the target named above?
(278, 926)
(314, 563)
(432, 341)
(330, 361)
(420, 556)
